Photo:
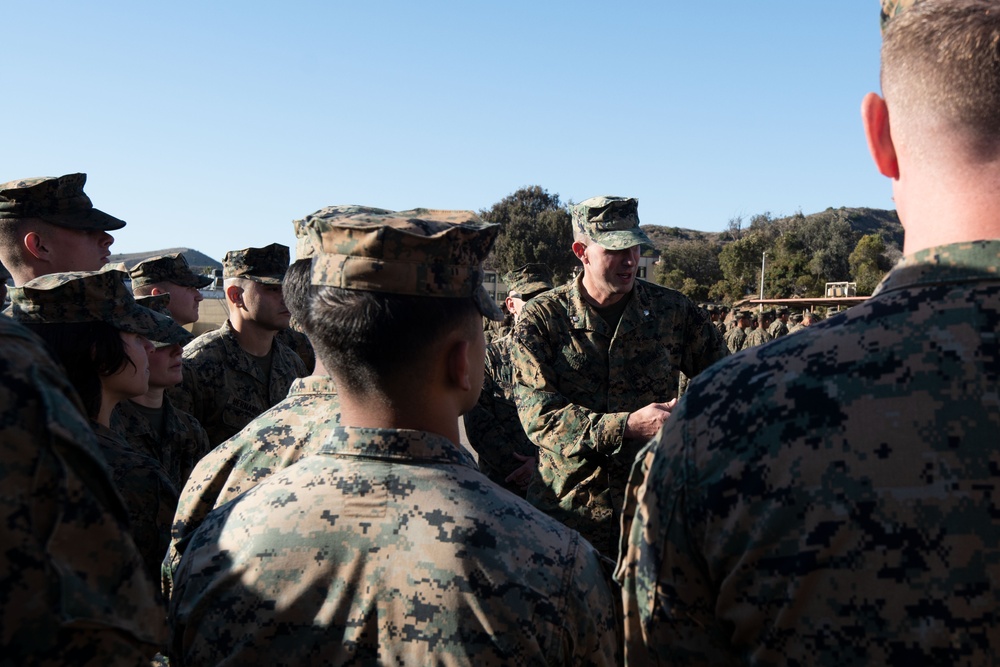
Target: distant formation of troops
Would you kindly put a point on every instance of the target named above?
(649, 481)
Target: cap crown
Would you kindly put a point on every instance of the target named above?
(528, 280)
(264, 265)
(612, 222)
(59, 200)
(172, 268)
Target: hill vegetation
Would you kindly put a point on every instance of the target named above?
(801, 252)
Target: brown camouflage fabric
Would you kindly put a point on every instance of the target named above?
(611, 222)
(389, 547)
(178, 448)
(576, 381)
(292, 429)
(265, 265)
(493, 427)
(758, 336)
(73, 590)
(735, 339)
(528, 280)
(172, 268)
(57, 200)
(89, 296)
(831, 498)
(421, 252)
(777, 329)
(224, 389)
(160, 303)
(150, 497)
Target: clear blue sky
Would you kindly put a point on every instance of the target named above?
(213, 125)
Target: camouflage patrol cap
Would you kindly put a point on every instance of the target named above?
(265, 265)
(172, 268)
(528, 280)
(420, 252)
(797, 317)
(745, 315)
(88, 296)
(307, 229)
(612, 222)
(159, 303)
(891, 8)
(57, 200)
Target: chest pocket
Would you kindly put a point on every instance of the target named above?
(582, 373)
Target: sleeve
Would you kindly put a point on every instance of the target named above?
(549, 418)
(593, 611)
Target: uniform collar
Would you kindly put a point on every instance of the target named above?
(952, 263)
(402, 445)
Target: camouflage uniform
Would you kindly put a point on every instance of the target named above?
(758, 336)
(279, 437)
(777, 329)
(493, 427)
(830, 498)
(74, 590)
(389, 547)
(576, 381)
(178, 447)
(224, 389)
(891, 8)
(173, 268)
(735, 339)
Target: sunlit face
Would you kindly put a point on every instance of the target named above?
(265, 306)
(609, 274)
(165, 367)
(132, 379)
(76, 249)
(183, 302)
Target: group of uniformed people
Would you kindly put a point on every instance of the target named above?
(263, 495)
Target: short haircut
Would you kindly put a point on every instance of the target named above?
(297, 290)
(11, 234)
(371, 340)
(145, 290)
(88, 351)
(941, 65)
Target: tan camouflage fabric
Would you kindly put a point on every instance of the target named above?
(576, 381)
(292, 429)
(57, 200)
(611, 222)
(493, 428)
(73, 590)
(756, 337)
(735, 339)
(224, 389)
(160, 303)
(389, 547)
(89, 296)
(528, 280)
(721, 326)
(265, 265)
(892, 8)
(150, 497)
(831, 498)
(178, 448)
(173, 268)
(421, 252)
(777, 329)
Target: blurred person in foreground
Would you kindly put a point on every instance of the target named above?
(830, 498)
(388, 546)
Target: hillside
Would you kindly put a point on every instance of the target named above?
(200, 263)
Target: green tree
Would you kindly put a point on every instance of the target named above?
(535, 227)
(869, 263)
(694, 261)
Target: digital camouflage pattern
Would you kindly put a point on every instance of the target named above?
(160, 303)
(57, 200)
(150, 497)
(389, 547)
(292, 429)
(528, 280)
(735, 339)
(756, 337)
(576, 381)
(611, 222)
(73, 591)
(265, 265)
(177, 448)
(421, 252)
(777, 329)
(172, 268)
(830, 499)
(89, 296)
(493, 427)
(224, 389)
(891, 8)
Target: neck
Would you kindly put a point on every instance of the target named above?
(369, 411)
(597, 297)
(151, 399)
(108, 403)
(252, 338)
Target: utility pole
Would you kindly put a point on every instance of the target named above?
(760, 306)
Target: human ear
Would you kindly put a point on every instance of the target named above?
(458, 364)
(875, 117)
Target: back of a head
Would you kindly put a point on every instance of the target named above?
(941, 74)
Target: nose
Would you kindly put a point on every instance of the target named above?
(197, 295)
(107, 239)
